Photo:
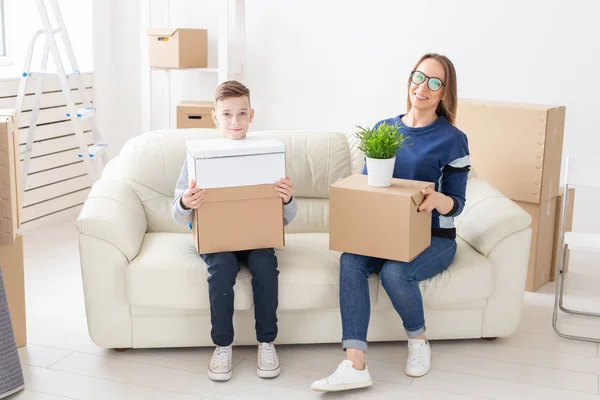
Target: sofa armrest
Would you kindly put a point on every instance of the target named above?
(489, 217)
(113, 212)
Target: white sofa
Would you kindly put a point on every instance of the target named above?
(145, 286)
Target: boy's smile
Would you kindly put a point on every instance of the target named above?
(233, 116)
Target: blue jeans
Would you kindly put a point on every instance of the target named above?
(400, 281)
(223, 269)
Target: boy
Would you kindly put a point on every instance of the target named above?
(232, 115)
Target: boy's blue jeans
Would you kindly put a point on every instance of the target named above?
(401, 282)
(223, 269)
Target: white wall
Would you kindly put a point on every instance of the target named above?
(332, 64)
(22, 21)
(117, 66)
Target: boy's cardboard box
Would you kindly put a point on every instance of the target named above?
(10, 177)
(518, 149)
(172, 48)
(241, 209)
(11, 263)
(195, 114)
(378, 222)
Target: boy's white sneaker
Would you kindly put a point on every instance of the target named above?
(268, 361)
(345, 377)
(419, 358)
(220, 365)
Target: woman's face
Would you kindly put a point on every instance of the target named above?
(430, 74)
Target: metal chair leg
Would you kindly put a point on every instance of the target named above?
(558, 299)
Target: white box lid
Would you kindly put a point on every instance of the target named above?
(222, 147)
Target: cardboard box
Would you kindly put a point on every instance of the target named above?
(568, 228)
(542, 240)
(378, 222)
(10, 177)
(241, 209)
(11, 262)
(239, 218)
(515, 147)
(195, 114)
(220, 163)
(178, 48)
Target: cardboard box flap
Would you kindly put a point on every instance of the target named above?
(195, 107)
(240, 193)
(161, 32)
(216, 148)
(418, 198)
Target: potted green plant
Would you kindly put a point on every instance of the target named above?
(379, 145)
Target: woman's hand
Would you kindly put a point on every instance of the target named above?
(285, 189)
(436, 200)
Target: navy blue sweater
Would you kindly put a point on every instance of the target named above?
(436, 153)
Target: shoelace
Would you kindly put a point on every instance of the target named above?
(415, 352)
(267, 355)
(341, 368)
(221, 357)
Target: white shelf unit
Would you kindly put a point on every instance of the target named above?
(230, 54)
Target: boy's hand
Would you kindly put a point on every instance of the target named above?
(285, 189)
(192, 197)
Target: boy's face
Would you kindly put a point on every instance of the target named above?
(233, 116)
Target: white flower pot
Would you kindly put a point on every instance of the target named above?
(380, 171)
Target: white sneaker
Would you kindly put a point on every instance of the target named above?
(219, 368)
(345, 377)
(268, 362)
(419, 358)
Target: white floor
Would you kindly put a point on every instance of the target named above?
(61, 362)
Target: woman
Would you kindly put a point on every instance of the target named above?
(439, 153)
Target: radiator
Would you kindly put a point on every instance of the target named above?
(11, 374)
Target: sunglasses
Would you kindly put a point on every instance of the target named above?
(434, 84)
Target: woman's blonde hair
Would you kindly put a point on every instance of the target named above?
(448, 104)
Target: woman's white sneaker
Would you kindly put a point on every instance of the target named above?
(419, 358)
(220, 365)
(345, 377)
(268, 361)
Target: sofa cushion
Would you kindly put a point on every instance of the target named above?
(310, 273)
(312, 216)
(468, 280)
(169, 273)
(314, 160)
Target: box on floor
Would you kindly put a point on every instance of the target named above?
(241, 209)
(378, 222)
(515, 147)
(195, 114)
(172, 48)
(568, 228)
(10, 177)
(11, 262)
(542, 242)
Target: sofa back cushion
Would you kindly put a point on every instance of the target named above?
(151, 164)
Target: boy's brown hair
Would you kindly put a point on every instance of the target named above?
(231, 89)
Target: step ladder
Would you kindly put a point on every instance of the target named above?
(94, 156)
